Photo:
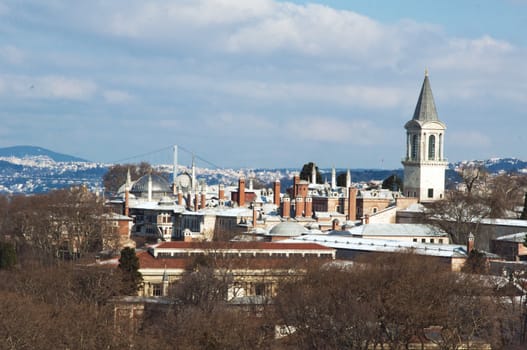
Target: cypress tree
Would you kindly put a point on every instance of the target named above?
(129, 266)
(7, 255)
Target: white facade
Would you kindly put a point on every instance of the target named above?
(424, 162)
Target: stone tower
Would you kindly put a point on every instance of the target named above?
(424, 162)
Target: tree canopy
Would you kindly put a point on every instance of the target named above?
(306, 172)
(129, 266)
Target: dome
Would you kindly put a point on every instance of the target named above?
(287, 229)
(160, 186)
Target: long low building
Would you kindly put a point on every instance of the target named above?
(419, 233)
(350, 248)
(255, 268)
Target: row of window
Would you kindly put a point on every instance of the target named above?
(414, 154)
(431, 240)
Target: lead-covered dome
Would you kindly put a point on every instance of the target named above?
(287, 229)
(160, 186)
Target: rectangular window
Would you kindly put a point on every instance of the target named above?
(430, 193)
(415, 239)
(423, 240)
(432, 240)
(440, 240)
(157, 290)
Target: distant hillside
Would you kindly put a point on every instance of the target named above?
(33, 151)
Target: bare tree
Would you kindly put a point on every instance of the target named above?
(459, 214)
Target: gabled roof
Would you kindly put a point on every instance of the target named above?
(425, 110)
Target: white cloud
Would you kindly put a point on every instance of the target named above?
(11, 54)
(116, 96)
(4, 10)
(68, 88)
(469, 139)
(53, 87)
(328, 129)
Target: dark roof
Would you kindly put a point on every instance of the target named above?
(425, 110)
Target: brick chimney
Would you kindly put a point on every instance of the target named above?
(179, 197)
(241, 191)
(352, 204)
(203, 202)
(254, 217)
(221, 194)
(126, 202)
(296, 180)
(276, 192)
(334, 224)
(309, 207)
(286, 207)
(196, 200)
(470, 243)
(299, 207)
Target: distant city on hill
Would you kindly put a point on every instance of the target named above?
(31, 169)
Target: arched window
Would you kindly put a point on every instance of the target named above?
(431, 147)
(440, 152)
(415, 146)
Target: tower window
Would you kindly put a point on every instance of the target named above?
(415, 146)
(430, 193)
(431, 147)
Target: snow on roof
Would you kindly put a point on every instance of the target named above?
(115, 216)
(515, 237)
(403, 230)
(505, 222)
(154, 205)
(382, 245)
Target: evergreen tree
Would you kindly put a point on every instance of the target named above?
(393, 183)
(7, 255)
(305, 173)
(129, 265)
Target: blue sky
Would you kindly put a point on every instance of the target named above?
(262, 83)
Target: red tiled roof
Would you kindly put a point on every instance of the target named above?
(242, 245)
(147, 261)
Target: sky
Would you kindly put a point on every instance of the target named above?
(261, 83)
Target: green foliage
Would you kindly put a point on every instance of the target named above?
(393, 183)
(129, 266)
(7, 255)
(341, 180)
(305, 173)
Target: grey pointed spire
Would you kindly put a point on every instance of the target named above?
(425, 110)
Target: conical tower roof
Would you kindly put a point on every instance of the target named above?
(425, 110)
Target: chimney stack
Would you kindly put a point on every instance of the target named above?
(470, 243)
(299, 207)
(203, 203)
(179, 197)
(254, 216)
(241, 191)
(286, 207)
(296, 181)
(334, 224)
(352, 204)
(309, 207)
(276, 192)
(221, 194)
